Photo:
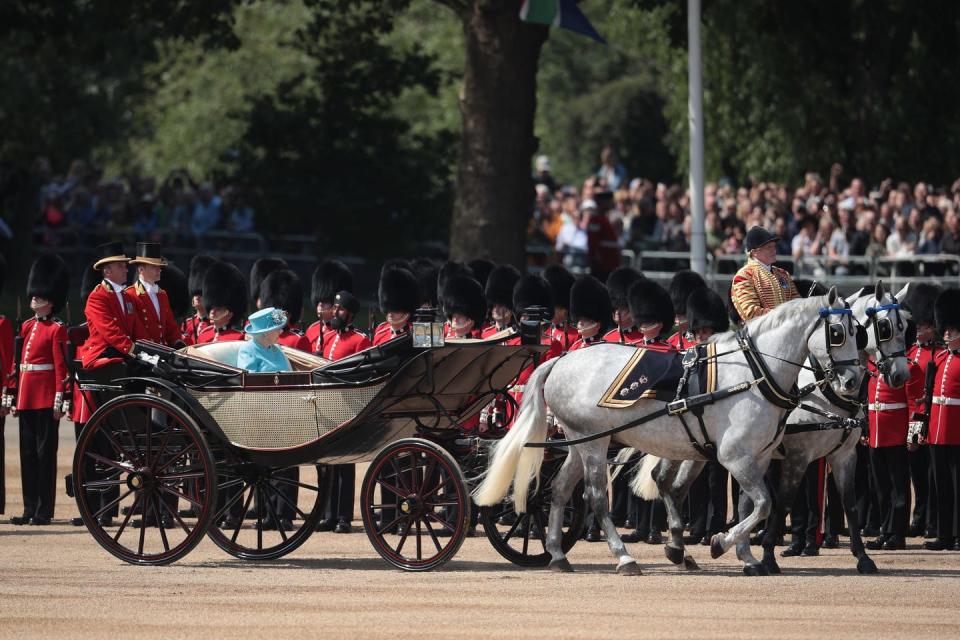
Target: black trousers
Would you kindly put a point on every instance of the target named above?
(867, 505)
(945, 460)
(3, 470)
(805, 512)
(339, 503)
(708, 500)
(38, 461)
(891, 475)
(98, 499)
(284, 508)
(920, 479)
(833, 525)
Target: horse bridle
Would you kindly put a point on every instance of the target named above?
(835, 335)
(883, 332)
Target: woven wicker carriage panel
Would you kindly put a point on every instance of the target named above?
(285, 418)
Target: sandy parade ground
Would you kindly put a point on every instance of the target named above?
(56, 582)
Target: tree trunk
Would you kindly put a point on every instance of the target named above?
(498, 102)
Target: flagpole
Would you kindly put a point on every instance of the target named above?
(698, 242)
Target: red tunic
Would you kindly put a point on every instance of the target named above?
(566, 334)
(43, 366)
(385, 333)
(294, 340)
(316, 335)
(945, 413)
(110, 325)
(555, 351)
(920, 356)
(162, 328)
(582, 343)
(486, 332)
(633, 335)
(681, 342)
(192, 328)
(212, 334)
(340, 344)
(6, 352)
(82, 401)
(888, 412)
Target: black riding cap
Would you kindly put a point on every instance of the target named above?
(758, 236)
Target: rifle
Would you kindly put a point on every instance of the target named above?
(924, 418)
(17, 354)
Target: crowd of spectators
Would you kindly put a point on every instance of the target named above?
(821, 222)
(83, 200)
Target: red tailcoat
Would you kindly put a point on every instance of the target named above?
(945, 413)
(385, 333)
(110, 324)
(82, 400)
(162, 328)
(340, 344)
(43, 365)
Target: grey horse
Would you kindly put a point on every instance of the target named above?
(671, 479)
(744, 426)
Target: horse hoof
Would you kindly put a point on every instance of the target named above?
(673, 554)
(690, 564)
(629, 569)
(770, 564)
(560, 566)
(754, 570)
(716, 546)
(866, 565)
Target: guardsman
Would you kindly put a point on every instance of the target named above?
(464, 307)
(448, 271)
(399, 294)
(590, 308)
(6, 366)
(920, 300)
(652, 311)
(759, 287)
(426, 272)
(682, 285)
(196, 324)
(560, 329)
(329, 277)
(150, 302)
(618, 284)
(943, 429)
(224, 298)
(499, 296)
(258, 273)
(282, 290)
(112, 321)
(481, 269)
(530, 292)
(706, 314)
(41, 391)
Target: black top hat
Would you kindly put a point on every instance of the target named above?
(49, 279)
(560, 281)
(346, 300)
(282, 289)
(758, 236)
(149, 253)
(109, 252)
(399, 291)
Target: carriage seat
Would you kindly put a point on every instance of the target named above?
(227, 352)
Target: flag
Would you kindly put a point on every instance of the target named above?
(559, 13)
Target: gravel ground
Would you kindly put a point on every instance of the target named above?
(57, 582)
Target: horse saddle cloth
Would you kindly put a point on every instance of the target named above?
(646, 373)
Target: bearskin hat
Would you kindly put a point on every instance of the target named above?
(481, 270)
(946, 310)
(682, 284)
(589, 299)
(649, 302)
(808, 288)
(395, 263)
(920, 300)
(90, 280)
(282, 289)
(398, 291)
(174, 282)
(224, 287)
(560, 281)
(618, 285)
(259, 272)
(499, 289)
(330, 277)
(425, 271)
(706, 310)
(3, 272)
(198, 268)
(449, 270)
(49, 279)
(532, 291)
(462, 294)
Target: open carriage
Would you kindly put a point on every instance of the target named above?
(184, 445)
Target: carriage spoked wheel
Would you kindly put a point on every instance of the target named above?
(138, 459)
(264, 513)
(522, 538)
(415, 505)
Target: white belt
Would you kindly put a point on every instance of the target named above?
(36, 367)
(883, 406)
(946, 400)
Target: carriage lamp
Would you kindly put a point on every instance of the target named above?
(427, 331)
(531, 324)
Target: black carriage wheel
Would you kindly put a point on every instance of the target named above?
(521, 539)
(254, 500)
(138, 458)
(419, 489)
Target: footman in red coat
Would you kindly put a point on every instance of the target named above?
(151, 303)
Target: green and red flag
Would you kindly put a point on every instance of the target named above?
(559, 13)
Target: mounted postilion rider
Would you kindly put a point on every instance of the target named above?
(759, 287)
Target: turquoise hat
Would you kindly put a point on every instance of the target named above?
(269, 319)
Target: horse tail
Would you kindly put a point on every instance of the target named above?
(510, 460)
(643, 483)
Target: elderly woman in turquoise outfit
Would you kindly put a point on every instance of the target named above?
(261, 353)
